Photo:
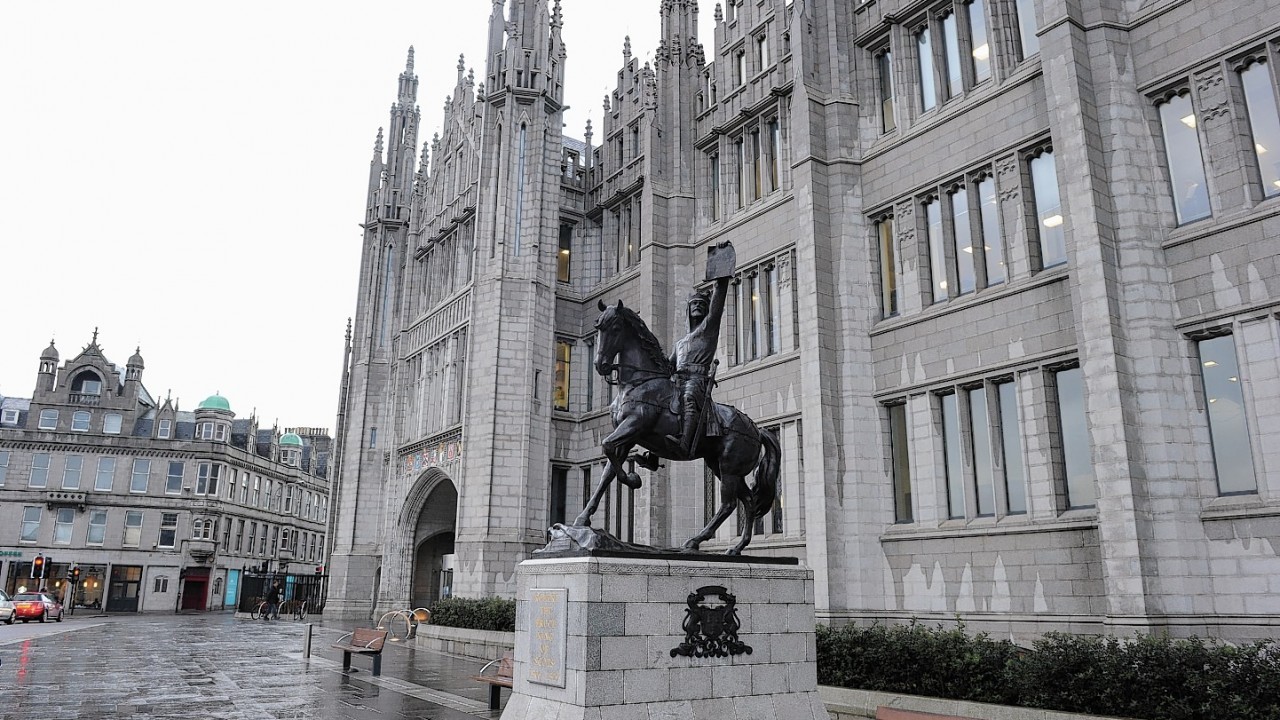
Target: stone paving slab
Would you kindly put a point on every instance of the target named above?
(215, 666)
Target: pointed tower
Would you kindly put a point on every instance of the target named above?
(355, 538)
(502, 513)
(48, 369)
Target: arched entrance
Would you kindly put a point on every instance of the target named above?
(435, 500)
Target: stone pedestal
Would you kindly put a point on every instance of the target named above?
(612, 638)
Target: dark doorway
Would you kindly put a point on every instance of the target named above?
(195, 589)
(122, 594)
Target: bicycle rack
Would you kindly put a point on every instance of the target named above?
(412, 618)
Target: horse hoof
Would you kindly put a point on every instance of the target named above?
(733, 551)
(631, 480)
(691, 545)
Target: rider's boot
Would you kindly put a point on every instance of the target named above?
(688, 428)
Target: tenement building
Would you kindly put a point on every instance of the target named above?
(1004, 292)
(157, 508)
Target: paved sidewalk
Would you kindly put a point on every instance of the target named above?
(216, 666)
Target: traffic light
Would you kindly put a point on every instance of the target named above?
(75, 574)
(37, 568)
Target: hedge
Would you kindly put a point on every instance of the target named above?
(1153, 678)
(492, 613)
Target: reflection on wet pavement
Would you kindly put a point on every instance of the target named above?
(215, 666)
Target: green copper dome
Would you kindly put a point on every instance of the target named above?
(215, 402)
(290, 439)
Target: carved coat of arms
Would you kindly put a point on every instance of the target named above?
(711, 625)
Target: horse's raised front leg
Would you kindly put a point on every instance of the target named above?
(616, 448)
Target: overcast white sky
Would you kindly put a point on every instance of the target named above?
(190, 177)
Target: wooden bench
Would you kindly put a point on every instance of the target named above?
(364, 641)
(888, 713)
(502, 679)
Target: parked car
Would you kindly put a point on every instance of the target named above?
(37, 606)
(7, 611)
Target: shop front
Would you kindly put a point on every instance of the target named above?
(125, 586)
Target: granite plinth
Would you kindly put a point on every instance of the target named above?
(619, 643)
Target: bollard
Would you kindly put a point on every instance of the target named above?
(306, 643)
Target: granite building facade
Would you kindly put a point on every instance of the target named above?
(1005, 292)
(160, 509)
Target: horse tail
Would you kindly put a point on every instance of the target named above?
(765, 493)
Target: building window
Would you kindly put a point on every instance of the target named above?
(111, 424)
(1228, 430)
(266, 493)
(558, 495)
(1264, 122)
(953, 464)
(71, 470)
(262, 541)
(288, 500)
(1015, 476)
(740, 151)
(164, 429)
(207, 475)
(560, 394)
(132, 528)
(253, 497)
(951, 56)
(774, 130)
(900, 455)
(106, 475)
(562, 258)
(1027, 28)
(30, 524)
(1074, 432)
(168, 530)
(740, 68)
(1049, 224)
(63, 525)
(937, 249)
(757, 167)
(97, 527)
(39, 471)
(924, 54)
(992, 243)
(1186, 164)
(141, 475)
(981, 53)
(48, 420)
(161, 584)
(762, 52)
(173, 483)
(232, 481)
(220, 432)
(715, 186)
(888, 267)
(240, 535)
(962, 242)
(4, 466)
(983, 467)
(226, 535)
(884, 68)
(8, 417)
(80, 421)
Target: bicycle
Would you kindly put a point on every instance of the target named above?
(261, 609)
(297, 609)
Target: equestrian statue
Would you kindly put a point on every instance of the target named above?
(664, 406)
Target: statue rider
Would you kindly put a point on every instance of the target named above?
(694, 357)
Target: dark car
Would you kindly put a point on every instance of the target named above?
(37, 606)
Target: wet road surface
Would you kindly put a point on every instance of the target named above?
(217, 666)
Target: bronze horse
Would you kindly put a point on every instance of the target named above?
(644, 414)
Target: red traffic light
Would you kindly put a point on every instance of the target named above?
(37, 567)
(75, 573)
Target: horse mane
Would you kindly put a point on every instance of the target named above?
(648, 342)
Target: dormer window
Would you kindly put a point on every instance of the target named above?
(290, 457)
(165, 429)
(204, 431)
(86, 388)
(220, 432)
(9, 417)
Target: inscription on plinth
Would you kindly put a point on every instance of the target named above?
(547, 633)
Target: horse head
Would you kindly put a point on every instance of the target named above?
(611, 329)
